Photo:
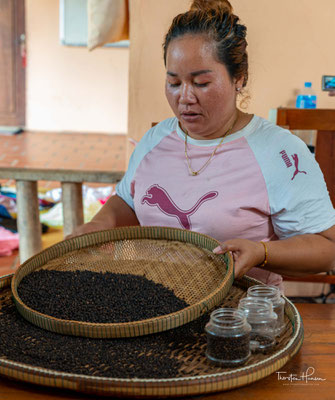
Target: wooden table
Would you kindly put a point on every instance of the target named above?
(316, 359)
(70, 159)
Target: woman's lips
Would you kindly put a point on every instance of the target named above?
(190, 117)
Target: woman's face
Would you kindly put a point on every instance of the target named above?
(199, 88)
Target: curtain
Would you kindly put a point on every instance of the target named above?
(108, 22)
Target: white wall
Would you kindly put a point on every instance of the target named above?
(70, 88)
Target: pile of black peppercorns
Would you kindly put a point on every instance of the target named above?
(97, 297)
(153, 356)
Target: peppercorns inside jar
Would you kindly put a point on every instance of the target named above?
(228, 337)
(263, 322)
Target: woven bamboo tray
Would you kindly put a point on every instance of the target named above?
(181, 260)
(196, 376)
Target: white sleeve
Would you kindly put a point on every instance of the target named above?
(298, 196)
(123, 188)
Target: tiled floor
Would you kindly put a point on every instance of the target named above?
(99, 152)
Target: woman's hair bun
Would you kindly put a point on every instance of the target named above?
(217, 5)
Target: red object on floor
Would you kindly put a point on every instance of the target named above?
(9, 241)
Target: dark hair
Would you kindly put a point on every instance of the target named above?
(215, 19)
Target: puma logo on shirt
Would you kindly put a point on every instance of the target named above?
(157, 196)
(296, 164)
(289, 164)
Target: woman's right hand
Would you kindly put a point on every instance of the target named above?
(86, 228)
(115, 212)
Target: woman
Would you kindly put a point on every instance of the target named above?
(217, 170)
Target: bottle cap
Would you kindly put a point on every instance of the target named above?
(308, 84)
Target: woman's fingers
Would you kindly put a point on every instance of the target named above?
(246, 254)
(224, 247)
(219, 250)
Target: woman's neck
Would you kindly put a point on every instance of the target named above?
(236, 122)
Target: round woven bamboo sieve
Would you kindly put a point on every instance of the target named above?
(196, 375)
(181, 260)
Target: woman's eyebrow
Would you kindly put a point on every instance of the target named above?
(202, 71)
(194, 73)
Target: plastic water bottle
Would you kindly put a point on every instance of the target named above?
(306, 99)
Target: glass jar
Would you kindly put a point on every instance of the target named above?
(271, 293)
(263, 322)
(228, 337)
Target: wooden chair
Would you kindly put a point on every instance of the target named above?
(323, 121)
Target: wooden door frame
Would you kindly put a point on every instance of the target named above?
(18, 116)
(20, 68)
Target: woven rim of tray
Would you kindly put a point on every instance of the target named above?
(127, 329)
(193, 385)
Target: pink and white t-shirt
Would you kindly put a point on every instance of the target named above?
(263, 183)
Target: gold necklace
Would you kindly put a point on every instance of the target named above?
(194, 173)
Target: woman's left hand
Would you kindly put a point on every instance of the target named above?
(246, 254)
